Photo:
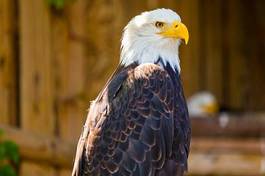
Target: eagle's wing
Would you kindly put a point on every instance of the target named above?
(131, 126)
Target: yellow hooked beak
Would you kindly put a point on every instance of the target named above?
(176, 30)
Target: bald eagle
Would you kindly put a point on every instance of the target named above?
(139, 124)
(203, 104)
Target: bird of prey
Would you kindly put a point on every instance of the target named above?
(139, 124)
(203, 104)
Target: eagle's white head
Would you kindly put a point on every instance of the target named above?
(153, 35)
(202, 104)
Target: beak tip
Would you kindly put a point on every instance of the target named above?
(186, 41)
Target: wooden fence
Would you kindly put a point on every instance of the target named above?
(54, 61)
(215, 149)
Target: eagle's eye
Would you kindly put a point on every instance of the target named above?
(159, 24)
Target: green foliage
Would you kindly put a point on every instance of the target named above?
(9, 157)
(7, 170)
(58, 4)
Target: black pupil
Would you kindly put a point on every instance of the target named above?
(159, 24)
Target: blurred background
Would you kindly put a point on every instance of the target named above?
(56, 55)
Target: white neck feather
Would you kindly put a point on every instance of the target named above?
(148, 49)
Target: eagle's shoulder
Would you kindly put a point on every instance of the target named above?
(146, 72)
(148, 69)
(129, 75)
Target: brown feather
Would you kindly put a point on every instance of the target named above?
(132, 126)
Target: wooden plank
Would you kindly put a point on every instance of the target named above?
(189, 54)
(37, 98)
(105, 44)
(237, 65)
(254, 25)
(228, 145)
(206, 163)
(208, 155)
(69, 58)
(52, 151)
(65, 172)
(60, 153)
(132, 8)
(212, 47)
(227, 125)
(213, 153)
(33, 169)
(152, 4)
(8, 80)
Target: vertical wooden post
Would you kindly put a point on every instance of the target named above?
(212, 31)
(189, 54)
(237, 67)
(69, 57)
(69, 42)
(254, 50)
(37, 97)
(8, 80)
(103, 49)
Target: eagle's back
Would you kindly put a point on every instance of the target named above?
(138, 125)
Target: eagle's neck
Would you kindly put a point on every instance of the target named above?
(141, 49)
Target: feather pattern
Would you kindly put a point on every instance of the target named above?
(138, 125)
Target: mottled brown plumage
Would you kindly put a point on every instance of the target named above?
(138, 125)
